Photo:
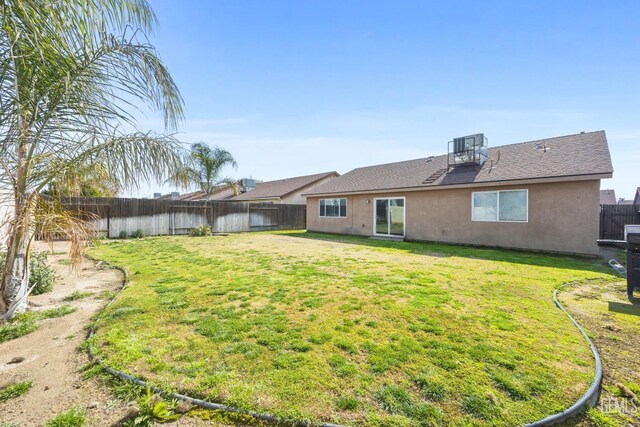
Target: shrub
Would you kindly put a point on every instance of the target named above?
(203, 230)
(123, 234)
(41, 276)
(138, 234)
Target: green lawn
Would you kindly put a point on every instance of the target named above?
(349, 330)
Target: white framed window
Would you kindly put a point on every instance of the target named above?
(333, 208)
(500, 206)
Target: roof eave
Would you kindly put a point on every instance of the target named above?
(258, 198)
(542, 180)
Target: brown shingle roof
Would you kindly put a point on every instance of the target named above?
(608, 197)
(571, 155)
(282, 187)
(222, 193)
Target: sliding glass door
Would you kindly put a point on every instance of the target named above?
(389, 216)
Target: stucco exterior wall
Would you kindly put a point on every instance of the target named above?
(297, 198)
(563, 217)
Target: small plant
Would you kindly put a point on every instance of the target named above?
(76, 295)
(138, 234)
(203, 230)
(54, 312)
(347, 403)
(71, 418)
(14, 390)
(430, 387)
(153, 409)
(480, 407)
(393, 399)
(123, 234)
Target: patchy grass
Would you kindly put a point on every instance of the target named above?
(71, 418)
(349, 330)
(614, 325)
(52, 313)
(28, 322)
(14, 390)
(76, 295)
(17, 328)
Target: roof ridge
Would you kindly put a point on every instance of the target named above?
(301, 176)
(490, 148)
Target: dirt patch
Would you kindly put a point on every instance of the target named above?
(614, 325)
(52, 359)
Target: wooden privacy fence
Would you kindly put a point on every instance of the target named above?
(613, 218)
(155, 217)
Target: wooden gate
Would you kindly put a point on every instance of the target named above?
(263, 216)
(613, 218)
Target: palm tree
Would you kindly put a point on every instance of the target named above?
(204, 166)
(72, 75)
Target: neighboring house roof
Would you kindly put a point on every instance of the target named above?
(625, 202)
(636, 200)
(222, 193)
(583, 154)
(283, 187)
(608, 197)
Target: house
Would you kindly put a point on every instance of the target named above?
(287, 191)
(608, 197)
(636, 199)
(538, 195)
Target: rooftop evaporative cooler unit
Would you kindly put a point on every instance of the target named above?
(468, 150)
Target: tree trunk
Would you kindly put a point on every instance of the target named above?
(15, 277)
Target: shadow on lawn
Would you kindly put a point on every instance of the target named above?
(540, 259)
(625, 308)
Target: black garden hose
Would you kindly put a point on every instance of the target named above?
(591, 396)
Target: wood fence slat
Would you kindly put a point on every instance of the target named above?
(168, 217)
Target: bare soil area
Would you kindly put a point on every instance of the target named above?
(614, 325)
(51, 355)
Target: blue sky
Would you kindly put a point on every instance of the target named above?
(298, 87)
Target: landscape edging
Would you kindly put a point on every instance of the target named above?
(588, 399)
(591, 396)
